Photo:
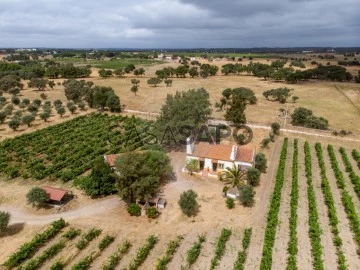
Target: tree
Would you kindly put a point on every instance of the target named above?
(3, 116)
(233, 176)
(43, 96)
(154, 81)
(119, 72)
(100, 182)
(100, 95)
(37, 197)
(38, 83)
(294, 98)
(61, 111)
(113, 103)
(275, 127)
(51, 84)
(134, 89)
(44, 116)
(72, 107)
(188, 203)
(4, 221)
(58, 103)
(75, 90)
(168, 82)
(141, 174)
(260, 162)
(81, 105)
(278, 94)
(28, 119)
(304, 117)
(15, 100)
(14, 124)
(135, 82)
(192, 166)
(246, 195)
(14, 91)
(265, 143)
(253, 176)
(8, 82)
(236, 112)
(139, 72)
(105, 73)
(190, 108)
(193, 72)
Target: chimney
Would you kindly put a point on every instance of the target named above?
(189, 146)
(233, 153)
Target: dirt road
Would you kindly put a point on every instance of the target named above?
(19, 216)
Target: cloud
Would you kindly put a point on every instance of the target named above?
(179, 23)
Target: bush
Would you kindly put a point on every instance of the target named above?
(275, 127)
(230, 203)
(4, 221)
(265, 143)
(188, 203)
(152, 212)
(246, 195)
(260, 162)
(134, 210)
(192, 166)
(253, 177)
(37, 196)
(105, 242)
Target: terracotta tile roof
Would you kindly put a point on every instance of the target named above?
(222, 152)
(245, 154)
(55, 194)
(213, 151)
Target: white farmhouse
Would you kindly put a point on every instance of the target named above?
(215, 157)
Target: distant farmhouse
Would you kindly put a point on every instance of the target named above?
(215, 157)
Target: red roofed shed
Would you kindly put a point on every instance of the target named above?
(57, 195)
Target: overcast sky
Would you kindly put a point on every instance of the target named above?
(179, 23)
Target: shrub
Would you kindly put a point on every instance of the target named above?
(188, 203)
(194, 252)
(260, 162)
(220, 247)
(171, 249)
(253, 177)
(230, 203)
(116, 257)
(134, 210)
(4, 221)
(275, 127)
(143, 252)
(105, 242)
(152, 212)
(192, 166)
(246, 195)
(265, 143)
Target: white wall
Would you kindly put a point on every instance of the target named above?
(243, 164)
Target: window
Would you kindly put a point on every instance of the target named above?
(221, 166)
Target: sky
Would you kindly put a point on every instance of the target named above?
(179, 23)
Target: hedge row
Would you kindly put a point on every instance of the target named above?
(346, 198)
(356, 156)
(143, 252)
(273, 219)
(220, 247)
(171, 249)
(314, 226)
(242, 255)
(28, 249)
(294, 198)
(355, 179)
(330, 203)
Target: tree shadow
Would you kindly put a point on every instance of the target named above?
(13, 229)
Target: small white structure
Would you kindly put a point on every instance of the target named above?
(233, 193)
(216, 157)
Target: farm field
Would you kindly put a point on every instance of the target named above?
(305, 215)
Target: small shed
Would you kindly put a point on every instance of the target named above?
(57, 196)
(233, 193)
(161, 203)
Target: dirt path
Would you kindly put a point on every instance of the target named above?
(260, 212)
(280, 253)
(329, 252)
(96, 208)
(349, 246)
(304, 258)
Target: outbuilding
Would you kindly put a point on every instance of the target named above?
(57, 196)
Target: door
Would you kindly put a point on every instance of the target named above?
(201, 163)
(214, 167)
